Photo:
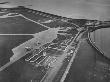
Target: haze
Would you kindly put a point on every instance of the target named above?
(91, 9)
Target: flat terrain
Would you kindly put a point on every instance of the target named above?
(88, 66)
(7, 43)
(19, 25)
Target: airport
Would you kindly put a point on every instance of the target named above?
(37, 46)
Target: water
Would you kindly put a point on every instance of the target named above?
(102, 40)
(7, 43)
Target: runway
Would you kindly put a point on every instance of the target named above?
(88, 64)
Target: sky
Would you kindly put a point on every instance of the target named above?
(90, 9)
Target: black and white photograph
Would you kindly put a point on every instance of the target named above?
(54, 40)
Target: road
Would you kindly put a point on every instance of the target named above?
(88, 64)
